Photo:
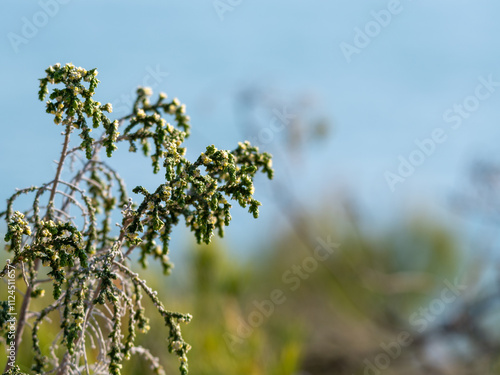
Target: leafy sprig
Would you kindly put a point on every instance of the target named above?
(85, 260)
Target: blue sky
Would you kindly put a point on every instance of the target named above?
(428, 57)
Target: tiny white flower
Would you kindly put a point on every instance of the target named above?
(140, 113)
(205, 159)
(177, 345)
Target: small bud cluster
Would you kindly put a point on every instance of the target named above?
(67, 107)
(57, 246)
(17, 227)
(147, 125)
(15, 371)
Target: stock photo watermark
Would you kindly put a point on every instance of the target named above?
(12, 321)
(420, 320)
(279, 121)
(363, 36)
(30, 26)
(454, 117)
(223, 6)
(292, 278)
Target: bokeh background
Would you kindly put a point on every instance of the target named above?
(342, 94)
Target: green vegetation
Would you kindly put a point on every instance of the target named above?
(325, 296)
(97, 300)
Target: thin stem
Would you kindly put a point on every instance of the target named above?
(27, 296)
(118, 243)
(59, 168)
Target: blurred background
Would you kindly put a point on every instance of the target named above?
(376, 250)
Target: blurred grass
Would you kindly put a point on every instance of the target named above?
(356, 299)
